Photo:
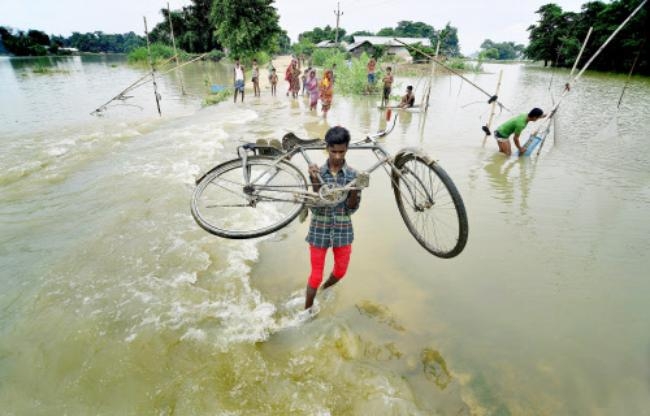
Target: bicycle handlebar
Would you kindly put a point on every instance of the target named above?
(384, 132)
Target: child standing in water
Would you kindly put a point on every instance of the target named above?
(388, 84)
(255, 77)
(273, 79)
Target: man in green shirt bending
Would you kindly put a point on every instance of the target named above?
(515, 125)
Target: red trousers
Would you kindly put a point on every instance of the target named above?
(341, 262)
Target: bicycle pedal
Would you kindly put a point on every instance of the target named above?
(363, 180)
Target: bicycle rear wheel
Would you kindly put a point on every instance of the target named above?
(222, 204)
(430, 205)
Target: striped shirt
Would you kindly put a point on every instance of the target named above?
(332, 226)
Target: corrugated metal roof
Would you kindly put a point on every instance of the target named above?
(390, 40)
(355, 45)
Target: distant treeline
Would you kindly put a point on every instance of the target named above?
(244, 28)
(557, 37)
(447, 37)
(37, 43)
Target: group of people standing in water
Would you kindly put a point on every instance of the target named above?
(299, 83)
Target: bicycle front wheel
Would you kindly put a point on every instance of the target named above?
(430, 205)
(224, 205)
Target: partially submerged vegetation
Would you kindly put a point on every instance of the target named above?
(217, 97)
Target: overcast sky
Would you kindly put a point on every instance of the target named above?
(476, 20)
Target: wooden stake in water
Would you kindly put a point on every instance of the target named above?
(153, 70)
(171, 32)
(494, 105)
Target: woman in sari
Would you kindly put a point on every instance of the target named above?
(326, 91)
(311, 85)
(294, 81)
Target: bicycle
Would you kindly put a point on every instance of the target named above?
(262, 191)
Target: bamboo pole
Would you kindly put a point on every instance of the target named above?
(453, 71)
(171, 31)
(629, 76)
(582, 49)
(153, 70)
(433, 73)
(494, 105)
(119, 96)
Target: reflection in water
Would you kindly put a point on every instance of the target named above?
(505, 181)
(405, 118)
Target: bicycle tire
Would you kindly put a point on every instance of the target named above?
(423, 187)
(224, 209)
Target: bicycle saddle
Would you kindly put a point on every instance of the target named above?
(290, 140)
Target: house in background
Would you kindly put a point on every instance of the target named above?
(367, 44)
(326, 44)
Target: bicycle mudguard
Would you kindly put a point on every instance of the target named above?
(411, 151)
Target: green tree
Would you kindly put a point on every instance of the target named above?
(419, 55)
(194, 28)
(558, 36)
(449, 45)
(303, 47)
(284, 42)
(246, 26)
(500, 51)
(620, 53)
(545, 36)
(386, 31)
(409, 29)
(38, 37)
(317, 35)
(21, 44)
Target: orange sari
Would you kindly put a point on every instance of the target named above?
(326, 91)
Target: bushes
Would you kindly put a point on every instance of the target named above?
(327, 56)
(159, 53)
(352, 77)
(215, 55)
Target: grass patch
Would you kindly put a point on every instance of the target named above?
(47, 70)
(159, 53)
(216, 98)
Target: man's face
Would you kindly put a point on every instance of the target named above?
(337, 154)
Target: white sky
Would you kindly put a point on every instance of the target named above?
(476, 20)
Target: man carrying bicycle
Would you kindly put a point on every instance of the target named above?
(331, 226)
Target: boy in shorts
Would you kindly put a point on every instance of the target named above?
(388, 84)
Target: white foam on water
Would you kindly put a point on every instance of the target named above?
(162, 272)
(184, 279)
(194, 334)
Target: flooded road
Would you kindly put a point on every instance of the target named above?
(113, 301)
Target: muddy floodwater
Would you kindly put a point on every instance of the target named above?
(114, 302)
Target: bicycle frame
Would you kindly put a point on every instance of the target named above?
(266, 175)
(312, 198)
